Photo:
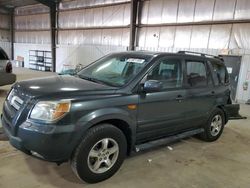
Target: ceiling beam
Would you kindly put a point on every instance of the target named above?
(48, 3)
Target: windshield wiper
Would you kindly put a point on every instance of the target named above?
(95, 80)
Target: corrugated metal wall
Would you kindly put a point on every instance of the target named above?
(210, 35)
(32, 24)
(84, 22)
(5, 32)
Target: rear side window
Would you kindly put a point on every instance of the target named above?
(196, 73)
(220, 74)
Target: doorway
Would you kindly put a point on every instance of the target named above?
(233, 64)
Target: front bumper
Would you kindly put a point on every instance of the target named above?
(54, 144)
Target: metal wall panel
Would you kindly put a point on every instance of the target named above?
(144, 12)
(165, 11)
(118, 15)
(186, 11)
(4, 35)
(182, 37)
(141, 37)
(242, 9)
(155, 12)
(86, 3)
(41, 37)
(206, 36)
(167, 35)
(159, 11)
(85, 54)
(219, 36)
(224, 10)
(114, 37)
(169, 11)
(32, 9)
(200, 35)
(240, 37)
(204, 10)
(152, 37)
(4, 21)
(39, 21)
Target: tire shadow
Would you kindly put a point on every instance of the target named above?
(57, 176)
(3, 137)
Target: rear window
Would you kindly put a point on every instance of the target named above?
(3, 55)
(220, 74)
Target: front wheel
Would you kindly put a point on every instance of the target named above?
(214, 127)
(100, 154)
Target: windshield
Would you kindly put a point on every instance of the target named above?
(115, 70)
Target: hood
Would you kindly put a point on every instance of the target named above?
(62, 86)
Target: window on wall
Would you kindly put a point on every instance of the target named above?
(169, 72)
(220, 74)
(196, 73)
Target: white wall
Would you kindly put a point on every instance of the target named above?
(67, 54)
(81, 54)
(22, 49)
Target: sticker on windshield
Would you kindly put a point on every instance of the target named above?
(134, 60)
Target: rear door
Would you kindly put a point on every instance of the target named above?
(200, 91)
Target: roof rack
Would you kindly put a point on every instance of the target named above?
(200, 54)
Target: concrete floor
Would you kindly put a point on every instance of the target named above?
(190, 163)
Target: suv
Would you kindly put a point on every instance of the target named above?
(6, 76)
(124, 102)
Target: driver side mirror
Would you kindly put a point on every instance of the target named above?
(152, 86)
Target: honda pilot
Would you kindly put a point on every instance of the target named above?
(122, 103)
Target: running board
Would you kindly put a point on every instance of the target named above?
(167, 140)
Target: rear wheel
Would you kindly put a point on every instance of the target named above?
(214, 127)
(100, 154)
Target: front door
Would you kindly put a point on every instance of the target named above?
(162, 113)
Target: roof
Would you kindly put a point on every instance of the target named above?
(180, 53)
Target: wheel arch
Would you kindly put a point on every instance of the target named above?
(124, 127)
(116, 117)
(222, 107)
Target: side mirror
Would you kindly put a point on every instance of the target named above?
(152, 86)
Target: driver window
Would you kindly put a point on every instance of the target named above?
(169, 72)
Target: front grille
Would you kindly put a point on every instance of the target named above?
(15, 101)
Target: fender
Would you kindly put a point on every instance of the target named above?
(105, 114)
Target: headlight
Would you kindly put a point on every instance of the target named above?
(50, 110)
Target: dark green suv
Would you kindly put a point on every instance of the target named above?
(124, 102)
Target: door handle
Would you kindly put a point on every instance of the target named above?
(179, 98)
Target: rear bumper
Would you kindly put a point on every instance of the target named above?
(232, 111)
(7, 78)
(56, 145)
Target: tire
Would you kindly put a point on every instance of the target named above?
(214, 127)
(104, 146)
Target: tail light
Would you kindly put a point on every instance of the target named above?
(9, 67)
